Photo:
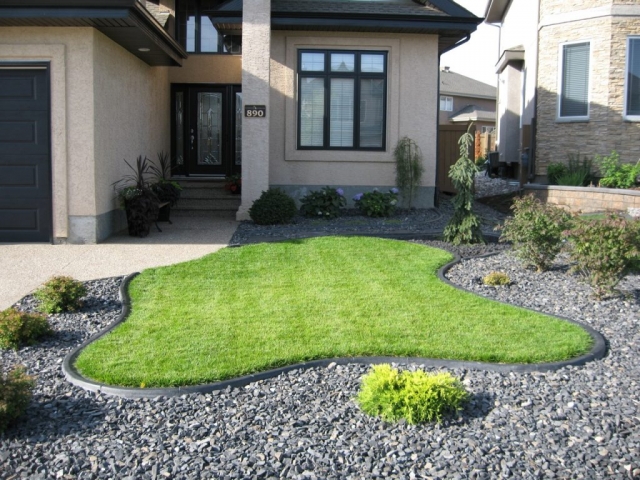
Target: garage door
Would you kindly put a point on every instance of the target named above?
(25, 155)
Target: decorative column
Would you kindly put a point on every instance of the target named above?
(256, 55)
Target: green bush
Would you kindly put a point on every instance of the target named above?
(325, 203)
(376, 203)
(15, 394)
(464, 226)
(21, 328)
(61, 294)
(604, 250)
(417, 397)
(274, 207)
(536, 231)
(554, 171)
(496, 279)
(616, 175)
(409, 168)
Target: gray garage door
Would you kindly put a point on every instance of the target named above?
(25, 155)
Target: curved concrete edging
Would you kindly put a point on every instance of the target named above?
(598, 351)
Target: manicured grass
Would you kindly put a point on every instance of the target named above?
(244, 310)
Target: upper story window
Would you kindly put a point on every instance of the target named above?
(446, 103)
(197, 33)
(632, 87)
(574, 81)
(342, 99)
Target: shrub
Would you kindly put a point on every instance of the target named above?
(536, 231)
(15, 394)
(604, 250)
(274, 207)
(464, 226)
(409, 168)
(325, 203)
(61, 294)
(480, 161)
(496, 279)
(21, 328)
(376, 203)
(415, 396)
(615, 175)
(554, 171)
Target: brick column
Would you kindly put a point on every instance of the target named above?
(256, 54)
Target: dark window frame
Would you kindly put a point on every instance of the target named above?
(357, 75)
(564, 109)
(629, 114)
(183, 8)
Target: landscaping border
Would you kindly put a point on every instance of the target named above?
(586, 199)
(598, 351)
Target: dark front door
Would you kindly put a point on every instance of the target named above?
(25, 154)
(207, 130)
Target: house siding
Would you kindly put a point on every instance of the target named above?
(411, 107)
(606, 129)
(461, 102)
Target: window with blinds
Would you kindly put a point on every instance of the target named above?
(574, 88)
(632, 101)
(342, 100)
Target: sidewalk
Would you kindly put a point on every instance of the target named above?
(24, 267)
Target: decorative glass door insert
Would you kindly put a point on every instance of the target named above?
(209, 128)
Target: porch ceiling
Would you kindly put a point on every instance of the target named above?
(126, 22)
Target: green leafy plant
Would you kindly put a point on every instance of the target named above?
(536, 231)
(15, 394)
(324, 203)
(376, 203)
(409, 168)
(464, 226)
(615, 174)
(234, 183)
(273, 207)
(579, 172)
(165, 189)
(555, 170)
(417, 397)
(604, 250)
(137, 197)
(21, 328)
(480, 162)
(495, 279)
(61, 294)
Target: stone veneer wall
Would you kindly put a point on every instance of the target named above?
(606, 128)
(586, 199)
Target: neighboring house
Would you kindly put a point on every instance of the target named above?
(464, 100)
(569, 79)
(328, 88)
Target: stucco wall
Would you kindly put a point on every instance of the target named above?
(202, 68)
(412, 106)
(106, 105)
(131, 115)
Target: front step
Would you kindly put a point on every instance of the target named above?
(206, 197)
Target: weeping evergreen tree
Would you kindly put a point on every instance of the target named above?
(408, 168)
(464, 226)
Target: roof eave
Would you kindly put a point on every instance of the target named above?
(496, 10)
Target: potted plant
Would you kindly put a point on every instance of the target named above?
(234, 183)
(137, 198)
(167, 191)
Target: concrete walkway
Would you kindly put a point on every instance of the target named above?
(24, 267)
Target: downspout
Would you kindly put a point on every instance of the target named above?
(436, 200)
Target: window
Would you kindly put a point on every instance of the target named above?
(446, 103)
(196, 32)
(574, 81)
(632, 93)
(342, 99)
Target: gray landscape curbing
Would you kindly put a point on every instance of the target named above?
(598, 351)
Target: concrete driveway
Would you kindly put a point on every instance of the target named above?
(24, 267)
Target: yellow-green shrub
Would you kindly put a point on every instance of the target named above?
(496, 278)
(61, 294)
(15, 393)
(21, 328)
(417, 397)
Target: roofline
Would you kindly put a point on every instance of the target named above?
(495, 10)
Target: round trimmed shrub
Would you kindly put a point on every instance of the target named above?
(61, 294)
(15, 394)
(21, 328)
(495, 279)
(274, 207)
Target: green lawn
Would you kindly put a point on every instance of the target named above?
(243, 310)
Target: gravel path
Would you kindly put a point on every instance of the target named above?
(573, 423)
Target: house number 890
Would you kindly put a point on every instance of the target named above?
(255, 111)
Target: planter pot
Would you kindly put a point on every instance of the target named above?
(137, 224)
(141, 212)
(164, 214)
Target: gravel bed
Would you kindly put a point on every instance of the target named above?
(488, 187)
(573, 423)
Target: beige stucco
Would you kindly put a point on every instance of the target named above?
(103, 109)
(203, 68)
(411, 110)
